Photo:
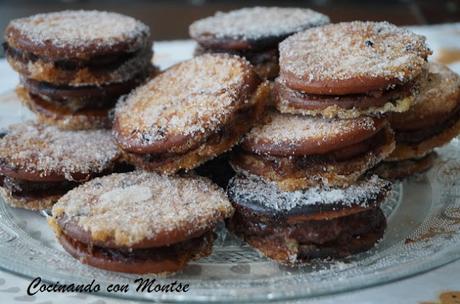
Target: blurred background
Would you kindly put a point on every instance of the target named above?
(170, 19)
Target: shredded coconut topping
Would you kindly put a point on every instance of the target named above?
(132, 207)
(254, 191)
(285, 129)
(257, 23)
(79, 29)
(46, 150)
(192, 98)
(350, 50)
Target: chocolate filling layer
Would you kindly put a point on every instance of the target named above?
(416, 137)
(106, 62)
(151, 260)
(82, 97)
(289, 164)
(28, 189)
(300, 100)
(337, 237)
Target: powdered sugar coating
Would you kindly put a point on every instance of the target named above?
(193, 98)
(256, 23)
(77, 31)
(287, 129)
(129, 208)
(46, 150)
(354, 50)
(254, 191)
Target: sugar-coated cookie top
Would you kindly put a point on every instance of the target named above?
(77, 34)
(135, 208)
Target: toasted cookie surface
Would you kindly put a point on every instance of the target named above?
(252, 28)
(395, 170)
(438, 99)
(183, 106)
(140, 210)
(285, 134)
(32, 151)
(76, 34)
(351, 57)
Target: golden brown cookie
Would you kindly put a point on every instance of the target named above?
(253, 33)
(140, 222)
(189, 114)
(350, 69)
(78, 47)
(435, 118)
(39, 163)
(395, 170)
(351, 58)
(298, 152)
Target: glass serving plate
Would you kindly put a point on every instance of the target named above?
(423, 232)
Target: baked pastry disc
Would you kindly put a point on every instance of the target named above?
(351, 58)
(190, 113)
(40, 163)
(434, 120)
(294, 227)
(298, 152)
(141, 219)
(82, 47)
(396, 170)
(253, 28)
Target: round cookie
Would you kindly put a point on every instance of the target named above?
(78, 47)
(351, 58)
(192, 112)
(253, 28)
(53, 113)
(294, 227)
(40, 163)
(253, 33)
(396, 170)
(140, 222)
(298, 152)
(435, 118)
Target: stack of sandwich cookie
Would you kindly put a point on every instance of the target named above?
(432, 122)
(298, 152)
(350, 69)
(253, 33)
(140, 222)
(74, 65)
(39, 164)
(295, 227)
(336, 82)
(189, 114)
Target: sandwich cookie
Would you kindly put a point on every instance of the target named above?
(432, 122)
(397, 170)
(74, 65)
(297, 152)
(140, 222)
(190, 113)
(294, 227)
(253, 33)
(39, 164)
(350, 69)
